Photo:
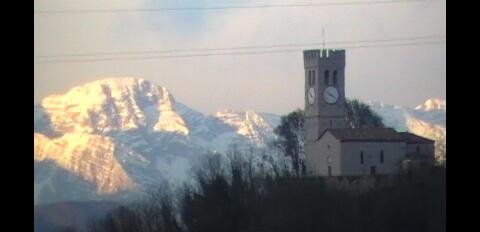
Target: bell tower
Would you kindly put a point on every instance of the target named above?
(324, 93)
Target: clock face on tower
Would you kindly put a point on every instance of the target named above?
(330, 95)
(311, 95)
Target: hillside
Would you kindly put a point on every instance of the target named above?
(115, 138)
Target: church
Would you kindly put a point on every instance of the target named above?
(332, 147)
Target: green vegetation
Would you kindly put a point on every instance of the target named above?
(244, 198)
(238, 199)
(291, 137)
(360, 115)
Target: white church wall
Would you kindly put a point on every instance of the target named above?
(393, 152)
(318, 162)
(424, 149)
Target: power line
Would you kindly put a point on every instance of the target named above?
(173, 9)
(234, 48)
(234, 53)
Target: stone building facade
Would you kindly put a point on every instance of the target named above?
(332, 148)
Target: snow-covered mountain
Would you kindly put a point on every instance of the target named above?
(433, 104)
(122, 135)
(427, 119)
(114, 138)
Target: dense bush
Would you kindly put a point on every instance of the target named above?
(240, 200)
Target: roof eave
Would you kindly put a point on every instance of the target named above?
(371, 140)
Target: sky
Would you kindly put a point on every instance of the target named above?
(270, 82)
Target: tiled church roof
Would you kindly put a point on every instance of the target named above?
(376, 134)
(366, 134)
(413, 138)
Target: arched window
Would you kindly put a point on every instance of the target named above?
(326, 77)
(381, 156)
(418, 149)
(309, 77)
(335, 77)
(361, 157)
(313, 77)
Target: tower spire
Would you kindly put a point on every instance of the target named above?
(323, 35)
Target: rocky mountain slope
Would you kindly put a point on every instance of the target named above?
(122, 135)
(115, 138)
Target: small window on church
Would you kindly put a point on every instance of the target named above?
(331, 123)
(418, 149)
(335, 77)
(326, 77)
(361, 157)
(381, 156)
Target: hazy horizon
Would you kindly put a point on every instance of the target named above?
(273, 82)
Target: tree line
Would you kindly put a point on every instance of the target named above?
(243, 196)
(238, 199)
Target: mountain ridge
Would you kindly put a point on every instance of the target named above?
(137, 130)
(146, 138)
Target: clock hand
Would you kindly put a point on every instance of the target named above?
(331, 95)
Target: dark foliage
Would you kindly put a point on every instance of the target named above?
(242, 200)
(360, 115)
(69, 229)
(414, 200)
(154, 214)
(290, 133)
